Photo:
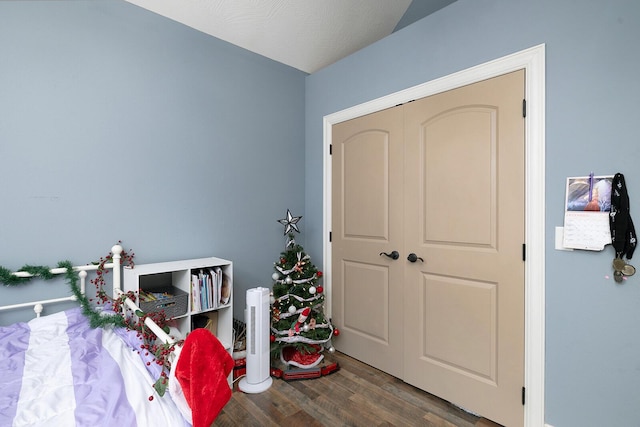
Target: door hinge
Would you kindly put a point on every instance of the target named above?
(524, 108)
(524, 251)
(330, 149)
(330, 236)
(523, 394)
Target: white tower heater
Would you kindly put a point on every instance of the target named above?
(258, 378)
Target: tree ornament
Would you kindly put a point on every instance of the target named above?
(275, 276)
(332, 349)
(304, 314)
(288, 280)
(312, 290)
(272, 338)
(319, 289)
(290, 222)
(336, 332)
(301, 318)
(292, 309)
(305, 327)
(300, 263)
(319, 274)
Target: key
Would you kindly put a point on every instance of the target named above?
(619, 264)
(629, 270)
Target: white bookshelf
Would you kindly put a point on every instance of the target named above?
(158, 277)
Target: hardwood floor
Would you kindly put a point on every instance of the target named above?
(356, 395)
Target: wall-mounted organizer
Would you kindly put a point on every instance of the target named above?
(196, 293)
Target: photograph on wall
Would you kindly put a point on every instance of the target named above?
(589, 193)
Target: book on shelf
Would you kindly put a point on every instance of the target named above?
(210, 289)
(196, 302)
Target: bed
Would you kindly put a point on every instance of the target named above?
(59, 370)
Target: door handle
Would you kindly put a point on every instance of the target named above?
(392, 255)
(413, 257)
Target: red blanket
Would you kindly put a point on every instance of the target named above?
(202, 371)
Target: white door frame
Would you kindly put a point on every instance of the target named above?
(533, 61)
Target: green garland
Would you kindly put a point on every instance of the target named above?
(96, 319)
(9, 279)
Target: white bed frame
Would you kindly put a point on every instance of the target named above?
(116, 267)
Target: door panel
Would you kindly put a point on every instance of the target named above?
(367, 293)
(459, 175)
(465, 166)
(459, 320)
(365, 175)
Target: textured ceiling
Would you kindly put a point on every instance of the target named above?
(304, 34)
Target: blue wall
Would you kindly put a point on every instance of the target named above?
(592, 92)
(116, 123)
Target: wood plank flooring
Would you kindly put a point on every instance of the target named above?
(356, 395)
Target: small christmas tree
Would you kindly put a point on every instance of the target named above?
(299, 329)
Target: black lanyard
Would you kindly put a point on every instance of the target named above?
(623, 234)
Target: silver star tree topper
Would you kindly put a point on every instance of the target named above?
(290, 222)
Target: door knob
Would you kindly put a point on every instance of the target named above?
(392, 255)
(413, 257)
